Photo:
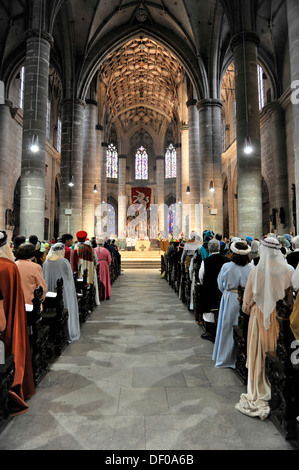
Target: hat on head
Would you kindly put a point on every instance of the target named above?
(208, 235)
(235, 239)
(241, 249)
(295, 241)
(271, 242)
(81, 235)
(3, 238)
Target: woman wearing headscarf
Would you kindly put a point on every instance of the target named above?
(55, 267)
(31, 273)
(104, 259)
(254, 254)
(269, 282)
(15, 335)
(231, 276)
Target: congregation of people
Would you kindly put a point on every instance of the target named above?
(217, 279)
(28, 264)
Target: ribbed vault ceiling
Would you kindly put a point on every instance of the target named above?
(141, 80)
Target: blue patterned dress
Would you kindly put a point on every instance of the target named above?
(229, 279)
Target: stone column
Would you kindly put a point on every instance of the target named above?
(279, 159)
(72, 119)
(185, 217)
(193, 126)
(160, 179)
(244, 47)
(292, 16)
(178, 173)
(210, 164)
(5, 161)
(122, 206)
(89, 179)
(32, 200)
(98, 169)
(104, 171)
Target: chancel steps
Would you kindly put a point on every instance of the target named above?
(141, 259)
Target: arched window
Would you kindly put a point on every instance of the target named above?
(170, 162)
(260, 76)
(112, 162)
(141, 164)
(21, 90)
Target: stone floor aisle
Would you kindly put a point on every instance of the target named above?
(139, 378)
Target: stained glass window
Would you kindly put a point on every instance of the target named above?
(48, 119)
(170, 162)
(21, 91)
(141, 164)
(112, 162)
(261, 87)
(59, 135)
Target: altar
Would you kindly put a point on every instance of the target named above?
(142, 245)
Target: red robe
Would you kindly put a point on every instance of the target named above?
(15, 336)
(104, 258)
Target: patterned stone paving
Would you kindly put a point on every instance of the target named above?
(139, 378)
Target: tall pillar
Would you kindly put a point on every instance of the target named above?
(280, 167)
(178, 173)
(32, 200)
(292, 16)
(122, 206)
(98, 169)
(193, 134)
(244, 47)
(104, 172)
(72, 119)
(185, 215)
(210, 164)
(6, 160)
(160, 180)
(89, 180)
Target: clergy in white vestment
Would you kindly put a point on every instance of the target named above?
(56, 266)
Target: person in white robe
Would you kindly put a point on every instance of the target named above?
(269, 282)
(56, 266)
(231, 276)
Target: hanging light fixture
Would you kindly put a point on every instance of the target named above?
(95, 189)
(188, 190)
(71, 182)
(34, 146)
(248, 146)
(248, 149)
(212, 187)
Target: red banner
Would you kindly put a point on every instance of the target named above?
(141, 196)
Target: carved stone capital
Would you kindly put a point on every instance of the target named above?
(39, 34)
(191, 102)
(73, 101)
(246, 36)
(89, 101)
(206, 102)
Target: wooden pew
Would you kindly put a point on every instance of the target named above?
(188, 282)
(240, 337)
(283, 375)
(7, 374)
(55, 316)
(83, 296)
(38, 336)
